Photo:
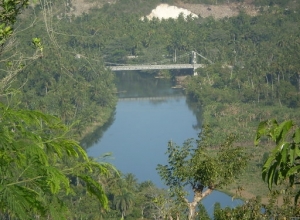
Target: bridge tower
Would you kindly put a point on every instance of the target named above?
(194, 61)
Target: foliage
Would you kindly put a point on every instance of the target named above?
(272, 2)
(129, 199)
(33, 148)
(201, 168)
(280, 168)
(202, 213)
(276, 170)
(72, 86)
(9, 10)
(38, 157)
(250, 210)
(278, 206)
(282, 163)
(123, 202)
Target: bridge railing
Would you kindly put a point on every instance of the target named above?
(156, 67)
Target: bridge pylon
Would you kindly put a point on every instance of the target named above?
(194, 61)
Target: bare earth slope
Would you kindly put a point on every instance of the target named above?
(83, 6)
(203, 10)
(219, 11)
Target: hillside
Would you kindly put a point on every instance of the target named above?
(217, 11)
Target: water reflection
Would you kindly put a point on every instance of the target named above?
(139, 136)
(94, 137)
(133, 84)
(142, 86)
(193, 107)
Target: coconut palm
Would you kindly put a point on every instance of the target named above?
(123, 202)
(131, 181)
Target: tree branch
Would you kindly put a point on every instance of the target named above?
(24, 181)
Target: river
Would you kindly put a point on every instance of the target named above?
(138, 134)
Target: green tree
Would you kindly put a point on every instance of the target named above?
(200, 167)
(131, 182)
(251, 210)
(123, 201)
(202, 213)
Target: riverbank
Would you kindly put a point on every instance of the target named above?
(226, 113)
(102, 118)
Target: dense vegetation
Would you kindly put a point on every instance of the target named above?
(254, 76)
(69, 84)
(38, 157)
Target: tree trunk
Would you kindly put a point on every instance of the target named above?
(192, 211)
(170, 217)
(198, 196)
(299, 82)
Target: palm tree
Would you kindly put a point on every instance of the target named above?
(123, 201)
(131, 181)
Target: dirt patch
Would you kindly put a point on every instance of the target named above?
(78, 7)
(220, 11)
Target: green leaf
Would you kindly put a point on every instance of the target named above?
(292, 153)
(271, 172)
(277, 177)
(296, 136)
(281, 131)
(269, 162)
(297, 151)
(261, 130)
(293, 170)
(284, 152)
(272, 125)
(96, 189)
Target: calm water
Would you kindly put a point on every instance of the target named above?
(139, 132)
(139, 136)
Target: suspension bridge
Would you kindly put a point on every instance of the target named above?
(193, 65)
(154, 98)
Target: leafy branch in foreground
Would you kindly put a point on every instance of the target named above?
(32, 150)
(284, 160)
(9, 10)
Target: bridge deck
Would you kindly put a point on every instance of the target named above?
(158, 98)
(156, 67)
